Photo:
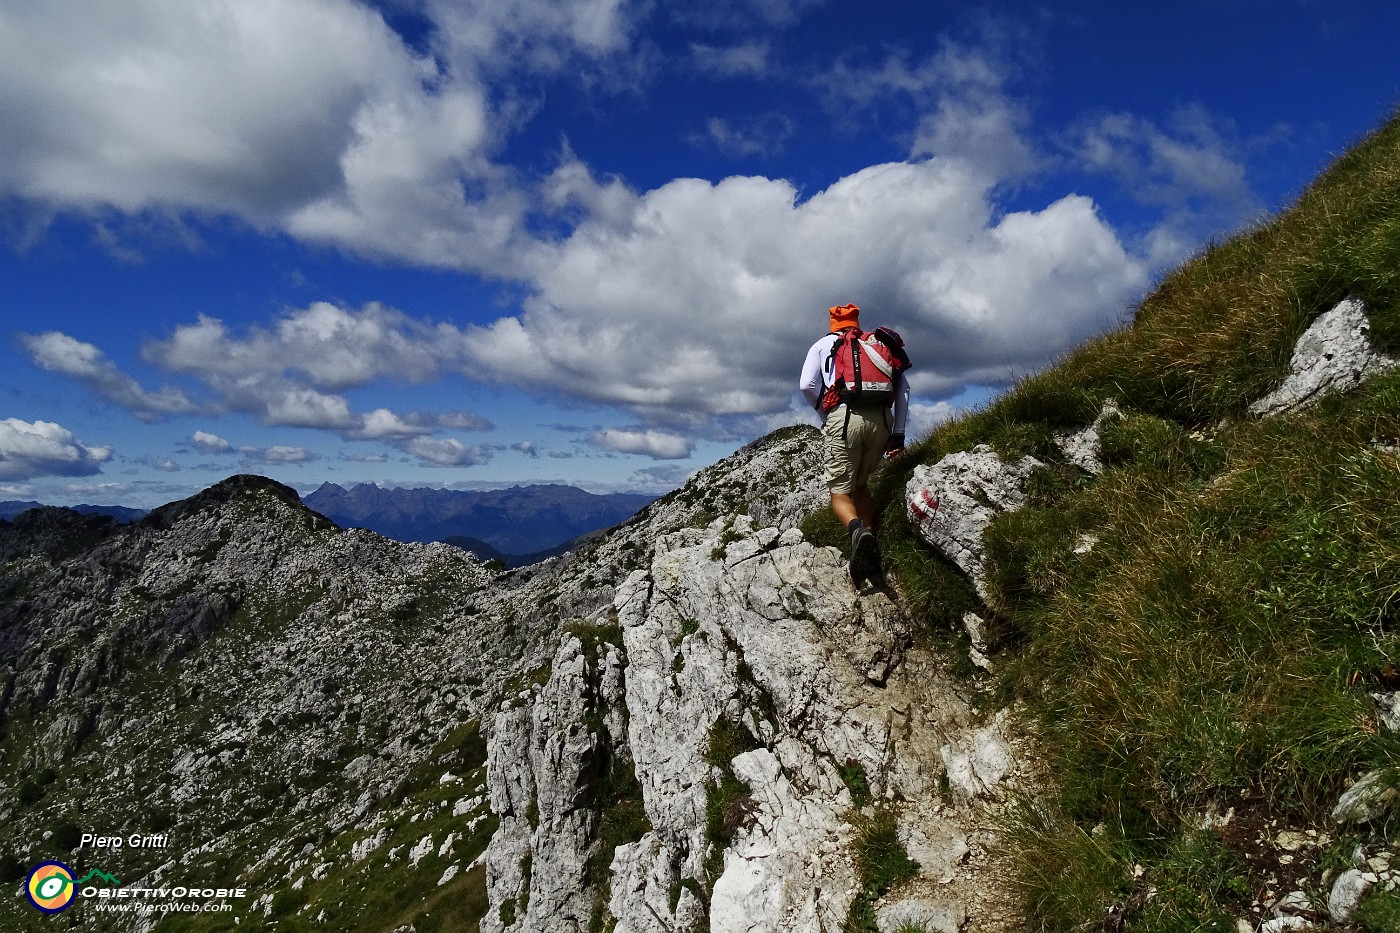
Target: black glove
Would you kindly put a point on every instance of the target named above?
(894, 445)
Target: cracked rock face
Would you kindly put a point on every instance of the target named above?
(234, 660)
(542, 760)
(1333, 355)
(752, 631)
(951, 503)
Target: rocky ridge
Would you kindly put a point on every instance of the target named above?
(236, 675)
(765, 711)
(298, 707)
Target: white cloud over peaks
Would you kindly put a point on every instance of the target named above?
(291, 374)
(43, 448)
(701, 299)
(333, 348)
(207, 443)
(277, 455)
(84, 362)
(659, 445)
(446, 452)
(383, 424)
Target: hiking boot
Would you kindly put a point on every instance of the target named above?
(865, 556)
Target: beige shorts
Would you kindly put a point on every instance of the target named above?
(852, 449)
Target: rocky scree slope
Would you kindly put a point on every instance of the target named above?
(716, 743)
(273, 695)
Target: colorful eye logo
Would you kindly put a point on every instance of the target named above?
(50, 887)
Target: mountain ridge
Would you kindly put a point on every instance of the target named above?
(519, 520)
(11, 508)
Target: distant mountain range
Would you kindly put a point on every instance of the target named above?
(519, 525)
(521, 520)
(12, 507)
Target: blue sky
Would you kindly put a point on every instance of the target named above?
(431, 242)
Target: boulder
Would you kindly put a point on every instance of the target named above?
(1370, 797)
(1347, 891)
(1333, 355)
(951, 503)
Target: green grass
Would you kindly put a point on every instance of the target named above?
(1219, 640)
(1380, 912)
(881, 862)
(727, 802)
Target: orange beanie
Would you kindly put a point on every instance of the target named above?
(843, 316)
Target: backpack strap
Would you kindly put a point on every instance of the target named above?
(831, 392)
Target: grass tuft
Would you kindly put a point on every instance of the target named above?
(881, 863)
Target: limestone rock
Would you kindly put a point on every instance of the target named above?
(1388, 710)
(951, 503)
(1370, 797)
(1082, 448)
(1347, 891)
(977, 761)
(539, 775)
(1333, 355)
(760, 631)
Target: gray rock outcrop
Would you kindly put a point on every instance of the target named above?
(1334, 354)
(952, 502)
(756, 635)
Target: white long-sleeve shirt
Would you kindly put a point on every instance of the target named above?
(817, 375)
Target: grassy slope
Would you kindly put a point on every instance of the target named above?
(1218, 644)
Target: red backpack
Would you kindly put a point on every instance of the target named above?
(865, 366)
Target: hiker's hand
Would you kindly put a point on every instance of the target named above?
(894, 446)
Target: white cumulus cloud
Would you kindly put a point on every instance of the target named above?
(277, 455)
(208, 443)
(659, 445)
(290, 374)
(60, 353)
(307, 116)
(446, 452)
(700, 299)
(43, 448)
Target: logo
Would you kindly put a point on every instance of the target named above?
(50, 887)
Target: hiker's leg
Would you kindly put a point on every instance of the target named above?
(863, 506)
(843, 504)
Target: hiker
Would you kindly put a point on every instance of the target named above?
(853, 378)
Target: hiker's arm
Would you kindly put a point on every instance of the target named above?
(901, 404)
(895, 445)
(811, 381)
